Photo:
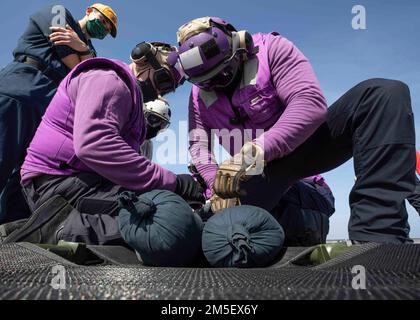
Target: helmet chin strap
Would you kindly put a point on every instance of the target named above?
(235, 81)
(143, 74)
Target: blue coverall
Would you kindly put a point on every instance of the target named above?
(25, 93)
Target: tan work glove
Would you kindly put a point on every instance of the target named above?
(249, 162)
(218, 204)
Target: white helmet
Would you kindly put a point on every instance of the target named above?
(158, 113)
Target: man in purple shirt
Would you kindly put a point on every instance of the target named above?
(260, 96)
(86, 150)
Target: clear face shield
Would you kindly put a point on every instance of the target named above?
(155, 121)
(155, 125)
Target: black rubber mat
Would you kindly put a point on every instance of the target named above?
(392, 272)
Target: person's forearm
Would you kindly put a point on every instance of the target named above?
(108, 153)
(86, 54)
(71, 61)
(86, 57)
(293, 128)
(201, 147)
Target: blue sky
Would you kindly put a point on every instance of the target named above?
(341, 56)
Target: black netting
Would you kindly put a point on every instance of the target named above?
(393, 272)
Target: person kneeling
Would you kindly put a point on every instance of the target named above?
(85, 151)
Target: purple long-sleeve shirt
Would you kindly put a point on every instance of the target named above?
(103, 105)
(303, 105)
(99, 119)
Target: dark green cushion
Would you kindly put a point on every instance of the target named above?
(244, 237)
(161, 227)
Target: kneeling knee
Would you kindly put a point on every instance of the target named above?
(389, 86)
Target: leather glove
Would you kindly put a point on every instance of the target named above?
(218, 204)
(189, 189)
(249, 162)
(252, 158)
(228, 180)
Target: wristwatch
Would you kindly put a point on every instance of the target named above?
(85, 53)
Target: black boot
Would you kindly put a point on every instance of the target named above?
(8, 228)
(45, 224)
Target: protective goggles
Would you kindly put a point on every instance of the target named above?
(155, 121)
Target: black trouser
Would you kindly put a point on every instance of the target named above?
(18, 123)
(25, 93)
(414, 199)
(95, 220)
(374, 124)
